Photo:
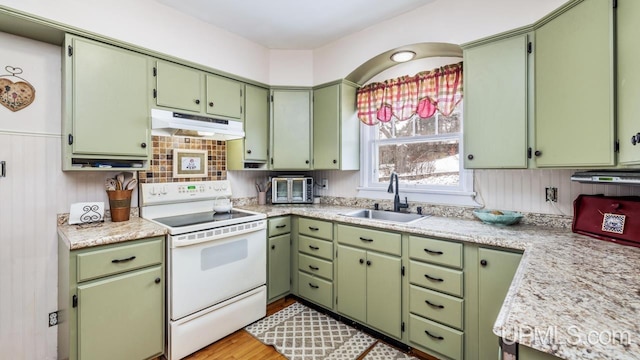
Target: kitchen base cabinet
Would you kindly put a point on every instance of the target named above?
(314, 261)
(527, 353)
(278, 258)
(111, 301)
(369, 287)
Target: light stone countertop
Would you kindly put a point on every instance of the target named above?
(572, 295)
(108, 232)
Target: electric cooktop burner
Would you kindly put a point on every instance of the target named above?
(200, 218)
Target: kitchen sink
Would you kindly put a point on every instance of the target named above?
(389, 216)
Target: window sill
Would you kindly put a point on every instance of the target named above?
(444, 197)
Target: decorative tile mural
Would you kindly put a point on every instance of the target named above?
(161, 167)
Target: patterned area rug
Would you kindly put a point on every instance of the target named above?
(383, 351)
(301, 333)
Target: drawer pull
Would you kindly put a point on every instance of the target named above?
(313, 247)
(117, 261)
(433, 252)
(314, 267)
(313, 286)
(281, 226)
(313, 228)
(434, 305)
(433, 336)
(432, 278)
(366, 239)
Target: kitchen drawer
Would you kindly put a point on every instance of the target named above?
(439, 307)
(370, 239)
(279, 225)
(315, 266)
(436, 337)
(315, 289)
(436, 277)
(315, 247)
(117, 259)
(436, 251)
(316, 228)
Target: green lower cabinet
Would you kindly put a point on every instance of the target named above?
(434, 336)
(120, 317)
(279, 263)
(369, 289)
(111, 301)
(496, 269)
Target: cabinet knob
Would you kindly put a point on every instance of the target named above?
(361, 261)
(634, 140)
(211, 103)
(248, 151)
(470, 156)
(273, 247)
(538, 153)
(306, 161)
(157, 280)
(368, 262)
(197, 101)
(483, 262)
(335, 161)
(143, 145)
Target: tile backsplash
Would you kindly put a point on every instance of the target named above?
(161, 168)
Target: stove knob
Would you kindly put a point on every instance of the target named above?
(164, 190)
(152, 190)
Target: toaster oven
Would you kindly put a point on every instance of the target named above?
(292, 190)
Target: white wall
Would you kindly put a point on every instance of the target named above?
(449, 21)
(33, 193)
(291, 68)
(152, 25)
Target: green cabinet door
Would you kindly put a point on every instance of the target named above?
(628, 52)
(495, 272)
(122, 317)
(574, 107)
(527, 353)
(224, 97)
(291, 130)
(384, 304)
(256, 123)
(352, 283)
(279, 260)
(109, 99)
(326, 127)
(179, 87)
(495, 104)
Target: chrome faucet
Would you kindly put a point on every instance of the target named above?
(397, 205)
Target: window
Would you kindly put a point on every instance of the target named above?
(424, 152)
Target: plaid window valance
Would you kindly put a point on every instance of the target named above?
(423, 94)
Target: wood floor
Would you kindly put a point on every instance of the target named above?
(242, 346)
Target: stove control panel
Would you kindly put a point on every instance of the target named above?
(157, 193)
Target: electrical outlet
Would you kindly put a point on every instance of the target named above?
(551, 194)
(325, 184)
(53, 318)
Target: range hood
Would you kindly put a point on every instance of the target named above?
(169, 123)
(625, 177)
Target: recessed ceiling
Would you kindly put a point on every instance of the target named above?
(294, 24)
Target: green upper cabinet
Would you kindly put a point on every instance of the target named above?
(628, 91)
(106, 106)
(336, 131)
(574, 95)
(291, 129)
(252, 151)
(495, 103)
(179, 87)
(224, 97)
(496, 269)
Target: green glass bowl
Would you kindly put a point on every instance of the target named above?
(507, 217)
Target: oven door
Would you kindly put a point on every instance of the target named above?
(280, 190)
(209, 272)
